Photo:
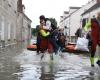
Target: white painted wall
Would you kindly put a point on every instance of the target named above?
(8, 17)
(71, 10)
(74, 20)
(91, 14)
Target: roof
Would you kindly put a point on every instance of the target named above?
(70, 14)
(74, 7)
(61, 21)
(61, 16)
(97, 5)
(66, 12)
(27, 17)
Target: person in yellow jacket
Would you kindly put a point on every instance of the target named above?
(94, 24)
(44, 34)
(41, 32)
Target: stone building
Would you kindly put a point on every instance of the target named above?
(23, 26)
(8, 23)
(26, 30)
(11, 23)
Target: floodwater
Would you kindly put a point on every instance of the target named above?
(29, 66)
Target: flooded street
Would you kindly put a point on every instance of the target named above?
(29, 66)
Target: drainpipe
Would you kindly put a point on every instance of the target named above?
(22, 31)
(69, 29)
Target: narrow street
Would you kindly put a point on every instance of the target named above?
(29, 66)
(54, 26)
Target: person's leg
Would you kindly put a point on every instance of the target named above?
(92, 58)
(93, 50)
(98, 62)
(55, 45)
(37, 48)
(61, 47)
(38, 44)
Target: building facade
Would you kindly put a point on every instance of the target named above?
(8, 23)
(92, 11)
(11, 19)
(26, 31)
(74, 20)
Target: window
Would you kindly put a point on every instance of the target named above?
(6, 29)
(9, 30)
(14, 32)
(2, 28)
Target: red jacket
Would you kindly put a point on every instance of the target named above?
(95, 32)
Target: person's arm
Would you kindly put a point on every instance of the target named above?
(43, 33)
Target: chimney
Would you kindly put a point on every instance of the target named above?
(19, 6)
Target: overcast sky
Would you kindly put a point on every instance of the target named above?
(49, 8)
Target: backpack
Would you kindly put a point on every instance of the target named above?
(61, 38)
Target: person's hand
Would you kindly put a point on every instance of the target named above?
(48, 33)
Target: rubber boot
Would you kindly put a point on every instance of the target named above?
(92, 61)
(98, 62)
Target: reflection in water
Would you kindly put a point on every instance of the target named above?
(37, 72)
(94, 73)
(47, 71)
(29, 72)
(27, 66)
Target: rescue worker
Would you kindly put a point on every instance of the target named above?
(38, 27)
(95, 37)
(41, 34)
(44, 35)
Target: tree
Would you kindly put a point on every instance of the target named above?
(53, 21)
(33, 31)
